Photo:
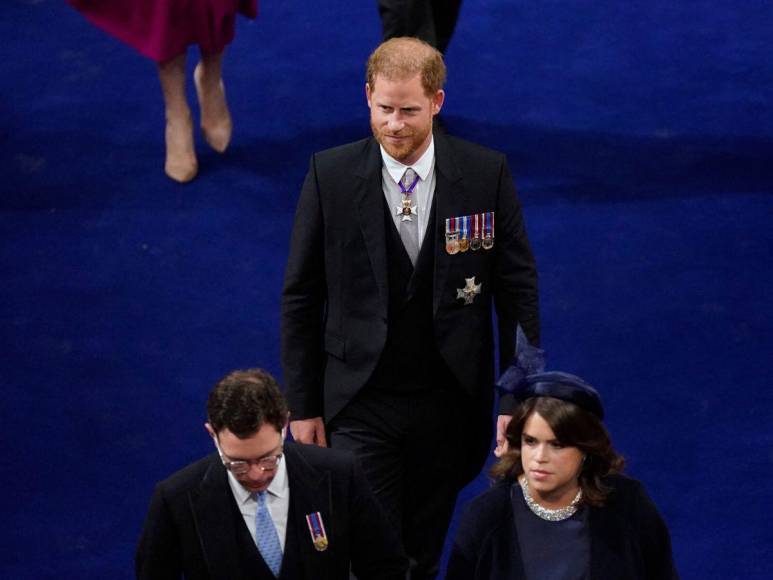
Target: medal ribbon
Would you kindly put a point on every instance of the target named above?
(316, 527)
(408, 191)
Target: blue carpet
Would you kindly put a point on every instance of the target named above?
(641, 138)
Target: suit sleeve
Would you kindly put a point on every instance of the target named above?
(303, 305)
(158, 552)
(376, 550)
(515, 293)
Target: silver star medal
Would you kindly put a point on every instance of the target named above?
(406, 209)
(469, 292)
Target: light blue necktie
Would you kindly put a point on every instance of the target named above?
(266, 537)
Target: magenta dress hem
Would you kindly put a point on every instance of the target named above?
(164, 29)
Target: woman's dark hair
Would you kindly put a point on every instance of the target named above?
(244, 401)
(573, 427)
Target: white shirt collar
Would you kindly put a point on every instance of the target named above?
(279, 485)
(423, 167)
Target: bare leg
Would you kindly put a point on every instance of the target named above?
(215, 117)
(181, 164)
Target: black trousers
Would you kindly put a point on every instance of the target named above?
(412, 447)
(431, 20)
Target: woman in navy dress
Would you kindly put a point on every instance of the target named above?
(560, 508)
(162, 30)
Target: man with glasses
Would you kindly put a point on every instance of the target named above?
(262, 508)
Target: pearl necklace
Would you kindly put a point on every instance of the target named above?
(556, 515)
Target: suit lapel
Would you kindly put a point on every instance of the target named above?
(450, 199)
(369, 200)
(213, 511)
(309, 493)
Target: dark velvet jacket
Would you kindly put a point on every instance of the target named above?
(629, 539)
(194, 529)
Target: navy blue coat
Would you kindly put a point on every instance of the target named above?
(629, 539)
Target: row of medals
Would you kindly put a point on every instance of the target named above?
(454, 245)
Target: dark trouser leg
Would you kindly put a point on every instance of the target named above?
(433, 463)
(411, 447)
(445, 14)
(373, 428)
(407, 18)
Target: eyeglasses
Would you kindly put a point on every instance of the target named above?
(242, 466)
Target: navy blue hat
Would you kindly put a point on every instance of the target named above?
(526, 378)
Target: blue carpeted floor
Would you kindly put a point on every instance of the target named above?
(641, 138)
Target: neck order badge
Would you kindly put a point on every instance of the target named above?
(407, 208)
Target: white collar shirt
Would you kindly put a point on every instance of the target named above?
(277, 502)
(392, 172)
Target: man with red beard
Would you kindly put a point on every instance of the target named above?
(401, 245)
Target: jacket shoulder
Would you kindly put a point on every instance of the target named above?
(188, 477)
(629, 498)
(470, 147)
(469, 153)
(623, 488)
(343, 155)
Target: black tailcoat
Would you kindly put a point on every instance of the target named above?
(336, 293)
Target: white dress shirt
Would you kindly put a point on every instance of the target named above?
(392, 172)
(277, 502)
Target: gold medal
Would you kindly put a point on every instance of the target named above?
(320, 543)
(317, 530)
(452, 237)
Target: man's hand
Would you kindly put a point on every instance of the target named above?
(310, 431)
(502, 447)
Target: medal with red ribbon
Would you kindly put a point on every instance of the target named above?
(317, 531)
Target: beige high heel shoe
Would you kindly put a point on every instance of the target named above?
(215, 118)
(181, 164)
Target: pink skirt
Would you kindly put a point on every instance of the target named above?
(163, 29)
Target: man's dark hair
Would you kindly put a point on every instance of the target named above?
(244, 401)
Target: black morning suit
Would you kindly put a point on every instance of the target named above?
(400, 369)
(194, 528)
